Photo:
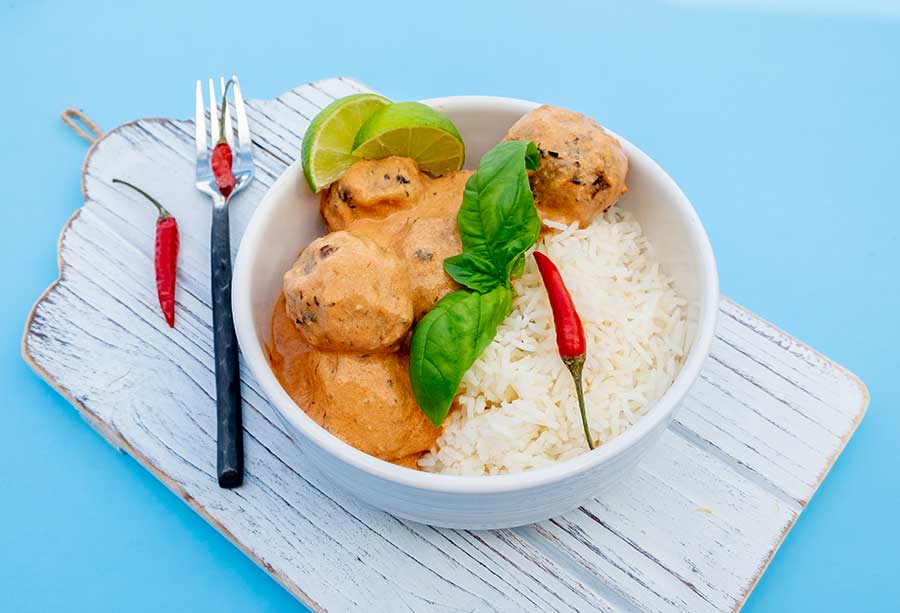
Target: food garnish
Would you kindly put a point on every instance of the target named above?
(413, 130)
(221, 155)
(569, 332)
(371, 127)
(165, 257)
(447, 342)
(497, 223)
(326, 152)
(497, 220)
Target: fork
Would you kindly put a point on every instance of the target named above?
(230, 443)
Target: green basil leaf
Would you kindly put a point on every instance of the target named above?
(518, 267)
(447, 342)
(497, 220)
(532, 156)
(497, 223)
(473, 272)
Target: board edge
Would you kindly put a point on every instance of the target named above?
(865, 399)
(113, 437)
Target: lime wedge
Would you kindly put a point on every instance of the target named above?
(414, 130)
(326, 149)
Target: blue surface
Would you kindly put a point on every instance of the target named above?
(782, 127)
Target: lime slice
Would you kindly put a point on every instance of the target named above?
(414, 130)
(326, 149)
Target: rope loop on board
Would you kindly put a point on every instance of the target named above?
(72, 118)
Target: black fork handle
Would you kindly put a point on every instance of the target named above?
(230, 433)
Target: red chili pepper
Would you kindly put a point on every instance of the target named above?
(569, 331)
(221, 155)
(165, 256)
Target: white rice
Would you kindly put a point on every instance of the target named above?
(517, 406)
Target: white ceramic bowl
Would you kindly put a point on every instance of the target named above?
(288, 219)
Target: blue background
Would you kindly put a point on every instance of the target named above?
(781, 125)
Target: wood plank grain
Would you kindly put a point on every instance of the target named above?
(691, 530)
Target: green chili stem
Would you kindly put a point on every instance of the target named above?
(163, 213)
(576, 366)
(222, 113)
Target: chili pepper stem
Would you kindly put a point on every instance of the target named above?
(576, 366)
(222, 113)
(163, 213)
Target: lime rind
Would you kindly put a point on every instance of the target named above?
(326, 151)
(415, 130)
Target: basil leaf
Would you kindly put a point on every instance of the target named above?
(518, 266)
(497, 223)
(497, 220)
(447, 342)
(473, 272)
(532, 156)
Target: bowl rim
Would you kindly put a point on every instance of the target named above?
(252, 347)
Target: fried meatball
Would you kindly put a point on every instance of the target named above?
(582, 170)
(346, 293)
(371, 189)
(366, 401)
(423, 248)
(423, 235)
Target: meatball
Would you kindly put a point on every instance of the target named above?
(367, 401)
(371, 189)
(346, 293)
(423, 248)
(423, 236)
(582, 170)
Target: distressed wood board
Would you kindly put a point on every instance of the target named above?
(692, 529)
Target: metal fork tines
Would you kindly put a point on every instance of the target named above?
(230, 447)
(243, 157)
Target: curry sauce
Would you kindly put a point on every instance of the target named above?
(363, 399)
(340, 362)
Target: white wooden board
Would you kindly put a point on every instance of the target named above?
(692, 530)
